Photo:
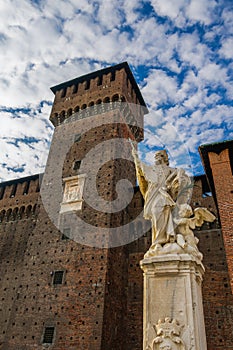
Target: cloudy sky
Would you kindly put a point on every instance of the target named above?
(180, 52)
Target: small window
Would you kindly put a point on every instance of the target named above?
(113, 76)
(13, 190)
(77, 137)
(206, 194)
(58, 277)
(48, 335)
(2, 191)
(26, 187)
(77, 165)
(100, 80)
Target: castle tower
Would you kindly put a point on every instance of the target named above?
(71, 292)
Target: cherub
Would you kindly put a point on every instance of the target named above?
(186, 222)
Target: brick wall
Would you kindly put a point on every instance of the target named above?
(223, 182)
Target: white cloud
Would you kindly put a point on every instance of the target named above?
(169, 8)
(185, 12)
(110, 13)
(24, 141)
(201, 11)
(227, 48)
(227, 19)
(159, 88)
(47, 42)
(191, 51)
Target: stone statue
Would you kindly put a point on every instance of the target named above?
(166, 192)
(186, 221)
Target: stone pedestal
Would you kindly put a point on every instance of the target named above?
(173, 312)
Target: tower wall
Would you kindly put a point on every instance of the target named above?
(223, 182)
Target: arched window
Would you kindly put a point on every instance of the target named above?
(115, 98)
(26, 187)
(28, 211)
(76, 110)
(15, 213)
(62, 116)
(34, 208)
(13, 190)
(55, 115)
(69, 112)
(22, 212)
(2, 215)
(8, 214)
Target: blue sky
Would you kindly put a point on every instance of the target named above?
(180, 52)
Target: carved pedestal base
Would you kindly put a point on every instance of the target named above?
(173, 312)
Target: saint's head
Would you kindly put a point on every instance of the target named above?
(161, 157)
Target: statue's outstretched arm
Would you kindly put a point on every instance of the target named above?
(139, 171)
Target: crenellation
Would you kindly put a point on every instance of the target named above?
(82, 88)
(69, 92)
(74, 88)
(107, 87)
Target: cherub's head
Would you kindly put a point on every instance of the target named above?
(185, 211)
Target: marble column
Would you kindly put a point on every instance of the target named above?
(173, 311)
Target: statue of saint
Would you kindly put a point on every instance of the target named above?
(166, 191)
(161, 187)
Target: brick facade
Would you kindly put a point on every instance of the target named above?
(98, 304)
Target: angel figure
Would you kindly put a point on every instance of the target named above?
(186, 222)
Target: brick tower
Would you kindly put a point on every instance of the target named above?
(218, 162)
(70, 295)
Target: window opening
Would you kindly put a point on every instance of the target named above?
(26, 188)
(77, 137)
(113, 76)
(13, 191)
(58, 277)
(48, 335)
(77, 165)
(100, 80)
(2, 191)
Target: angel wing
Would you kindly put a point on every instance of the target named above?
(201, 215)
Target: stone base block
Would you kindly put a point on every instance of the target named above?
(173, 311)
